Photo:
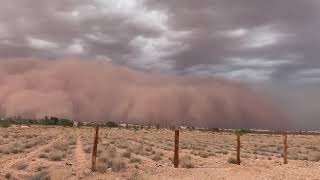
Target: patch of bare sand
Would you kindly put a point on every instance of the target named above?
(81, 168)
(294, 170)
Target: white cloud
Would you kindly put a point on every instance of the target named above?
(152, 50)
(75, 13)
(137, 12)
(154, 19)
(229, 72)
(263, 63)
(207, 70)
(251, 75)
(100, 37)
(103, 58)
(236, 32)
(40, 43)
(262, 37)
(79, 13)
(76, 48)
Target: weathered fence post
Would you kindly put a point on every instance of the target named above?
(94, 150)
(285, 149)
(176, 149)
(238, 148)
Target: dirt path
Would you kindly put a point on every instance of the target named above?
(81, 168)
(8, 163)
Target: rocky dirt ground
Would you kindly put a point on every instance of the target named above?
(40, 152)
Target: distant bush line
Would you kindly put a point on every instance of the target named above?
(7, 122)
(46, 121)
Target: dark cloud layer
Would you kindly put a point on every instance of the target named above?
(167, 35)
(291, 24)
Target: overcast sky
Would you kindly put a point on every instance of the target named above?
(273, 43)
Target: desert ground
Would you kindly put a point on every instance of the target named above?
(52, 152)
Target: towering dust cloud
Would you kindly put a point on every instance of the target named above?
(96, 91)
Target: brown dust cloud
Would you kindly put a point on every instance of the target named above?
(85, 90)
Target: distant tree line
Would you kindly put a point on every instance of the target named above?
(110, 124)
(6, 122)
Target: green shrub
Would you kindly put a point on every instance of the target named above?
(4, 124)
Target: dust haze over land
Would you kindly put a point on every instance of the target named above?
(99, 91)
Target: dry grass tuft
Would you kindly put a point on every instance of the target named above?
(56, 155)
(110, 159)
(42, 175)
(186, 162)
(157, 157)
(126, 154)
(232, 160)
(21, 166)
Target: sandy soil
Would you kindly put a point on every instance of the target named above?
(151, 154)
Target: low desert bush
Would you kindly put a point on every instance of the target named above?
(314, 157)
(196, 153)
(123, 146)
(16, 148)
(72, 141)
(43, 155)
(56, 155)
(203, 154)
(47, 150)
(116, 164)
(126, 154)
(21, 166)
(87, 149)
(135, 160)
(232, 160)
(101, 167)
(8, 175)
(110, 159)
(62, 146)
(222, 152)
(186, 162)
(42, 175)
(148, 149)
(156, 157)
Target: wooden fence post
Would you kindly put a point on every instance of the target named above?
(238, 148)
(176, 149)
(285, 149)
(94, 150)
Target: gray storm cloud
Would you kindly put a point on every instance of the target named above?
(99, 91)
